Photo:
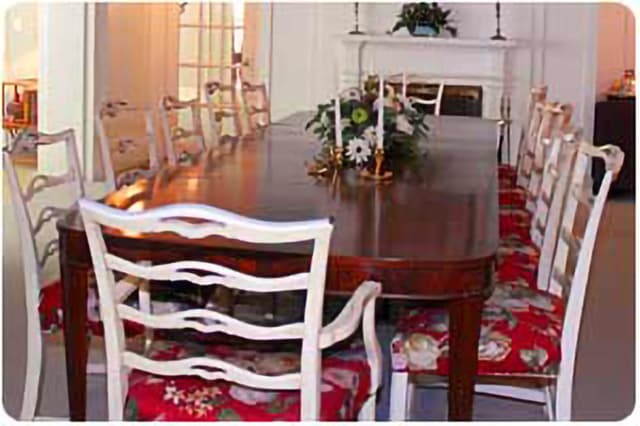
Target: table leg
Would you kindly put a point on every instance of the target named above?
(464, 323)
(74, 305)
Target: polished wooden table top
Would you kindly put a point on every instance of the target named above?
(443, 208)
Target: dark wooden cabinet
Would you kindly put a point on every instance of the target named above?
(615, 124)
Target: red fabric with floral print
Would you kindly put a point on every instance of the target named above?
(506, 176)
(50, 311)
(520, 334)
(345, 386)
(512, 198)
(515, 224)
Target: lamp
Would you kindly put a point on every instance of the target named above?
(498, 35)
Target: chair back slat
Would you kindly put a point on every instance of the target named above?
(217, 275)
(549, 206)
(536, 95)
(223, 101)
(200, 366)
(198, 221)
(207, 321)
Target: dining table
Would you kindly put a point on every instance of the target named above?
(430, 233)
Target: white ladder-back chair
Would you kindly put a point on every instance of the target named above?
(175, 134)
(537, 95)
(128, 143)
(35, 259)
(555, 118)
(219, 107)
(552, 387)
(578, 251)
(406, 79)
(179, 219)
(35, 255)
(256, 102)
(545, 222)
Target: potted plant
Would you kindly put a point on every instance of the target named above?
(424, 19)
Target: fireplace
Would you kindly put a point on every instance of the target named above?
(456, 99)
(477, 73)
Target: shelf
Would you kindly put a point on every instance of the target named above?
(433, 41)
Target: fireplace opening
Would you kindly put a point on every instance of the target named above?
(456, 99)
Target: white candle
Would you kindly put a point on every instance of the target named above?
(380, 129)
(338, 125)
(404, 85)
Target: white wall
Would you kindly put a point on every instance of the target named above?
(62, 75)
(21, 48)
(557, 45)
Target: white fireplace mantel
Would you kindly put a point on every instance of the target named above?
(460, 61)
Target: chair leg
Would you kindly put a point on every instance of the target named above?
(401, 397)
(564, 390)
(33, 370)
(368, 410)
(548, 402)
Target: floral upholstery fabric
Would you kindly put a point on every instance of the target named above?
(512, 198)
(517, 262)
(506, 176)
(50, 311)
(345, 386)
(515, 224)
(520, 334)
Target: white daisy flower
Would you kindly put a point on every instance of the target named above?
(359, 150)
(403, 125)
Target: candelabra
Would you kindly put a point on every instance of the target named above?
(498, 35)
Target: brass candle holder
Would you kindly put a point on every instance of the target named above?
(378, 174)
(333, 165)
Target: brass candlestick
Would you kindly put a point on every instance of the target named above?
(378, 174)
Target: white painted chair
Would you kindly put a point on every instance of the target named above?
(552, 387)
(35, 259)
(257, 105)
(31, 223)
(222, 102)
(128, 143)
(537, 96)
(527, 144)
(406, 79)
(177, 139)
(212, 221)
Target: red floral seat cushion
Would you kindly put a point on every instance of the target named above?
(50, 311)
(520, 334)
(515, 224)
(512, 198)
(506, 176)
(345, 386)
(517, 262)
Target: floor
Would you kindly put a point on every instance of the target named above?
(605, 373)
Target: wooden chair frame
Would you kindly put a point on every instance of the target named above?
(218, 110)
(212, 221)
(405, 80)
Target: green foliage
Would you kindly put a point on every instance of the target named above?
(359, 117)
(431, 15)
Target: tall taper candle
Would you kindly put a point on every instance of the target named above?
(338, 125)
(380, 129)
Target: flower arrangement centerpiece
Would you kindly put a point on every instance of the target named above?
(366, 130)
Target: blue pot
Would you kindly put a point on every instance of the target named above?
(424, 31)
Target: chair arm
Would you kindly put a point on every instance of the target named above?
(348, 320)
(360, 306)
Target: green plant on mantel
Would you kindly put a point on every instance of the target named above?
(423, 14)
